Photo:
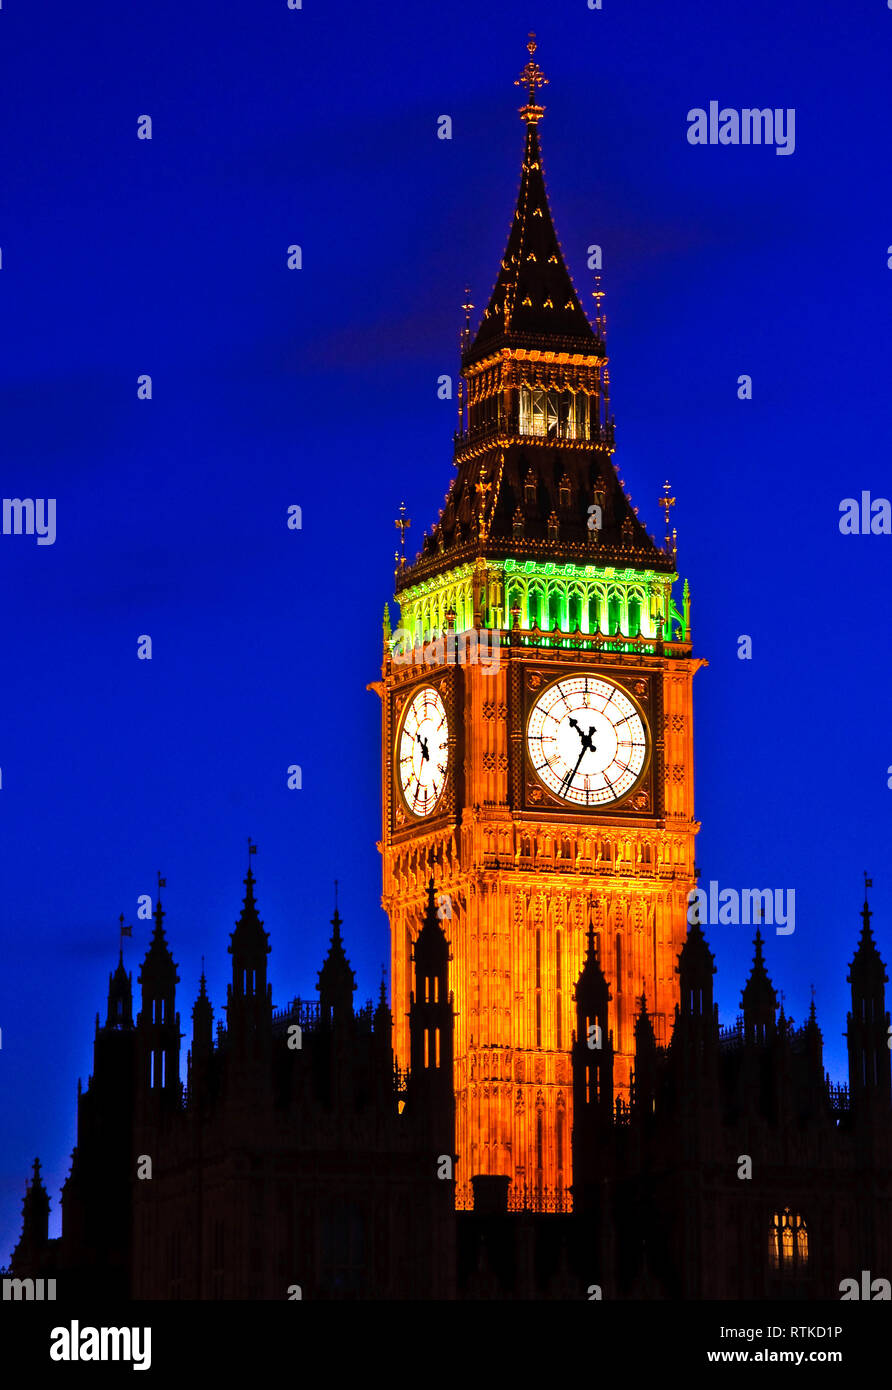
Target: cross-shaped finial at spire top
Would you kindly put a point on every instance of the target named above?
(531, 78)
(403, 523)
(666, 502)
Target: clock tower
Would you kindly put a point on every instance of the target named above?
(537, 724)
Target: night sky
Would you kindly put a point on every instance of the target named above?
(318, 388)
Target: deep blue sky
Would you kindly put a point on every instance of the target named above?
(318, 387)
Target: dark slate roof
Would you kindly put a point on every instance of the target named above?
(534, 297)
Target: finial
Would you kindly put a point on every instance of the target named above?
(666, 502)
(866, 913)
(252, 849)
(600, 320)
(531, 78)
(467, 307)
(124, 931)
(403, 523)
(159, 910)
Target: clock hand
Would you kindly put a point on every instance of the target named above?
(570, 775)
(586, 738)
(423, 741)
(587, 747)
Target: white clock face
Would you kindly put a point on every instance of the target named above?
(422, 754)
(586, 741)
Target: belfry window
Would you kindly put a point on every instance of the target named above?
(552, 414)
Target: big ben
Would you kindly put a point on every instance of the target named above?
(537, 747)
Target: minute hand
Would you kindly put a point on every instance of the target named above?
(570, 775)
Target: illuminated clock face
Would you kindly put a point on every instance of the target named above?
(423, 752)
(586, 740)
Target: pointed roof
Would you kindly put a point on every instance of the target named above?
(592, 981)
(644, 1029)
(695, 957)
(158, 964)
(867, 967)
(431, 943)
(759, 996)
(521, 493)
(336, 980)
(202, 1009)
(534, 295)
(249, 931)
(37, 1199)
(120, 989)
(382, 1010)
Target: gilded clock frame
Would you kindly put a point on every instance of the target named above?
(643, 798)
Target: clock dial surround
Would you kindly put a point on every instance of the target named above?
(587, 741)
(422, 752)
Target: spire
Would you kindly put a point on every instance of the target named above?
(35, 1213)
(759, 998)
(249, 934)
(336, 982)
(644, 1029)
(431, 943)
(592, 982)
(431, 1028)
(249, 997)
(533, 451)
(534, 296)
(383, 1021)
(158, 967)
(696, 967)
(158, 1023)
(867, 967)
(592, 1066)
(868, 1034)
(202, 1020)
(120, 993)
(644, 1087)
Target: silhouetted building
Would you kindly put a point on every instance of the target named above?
(299, 1162)
(296, 1162)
